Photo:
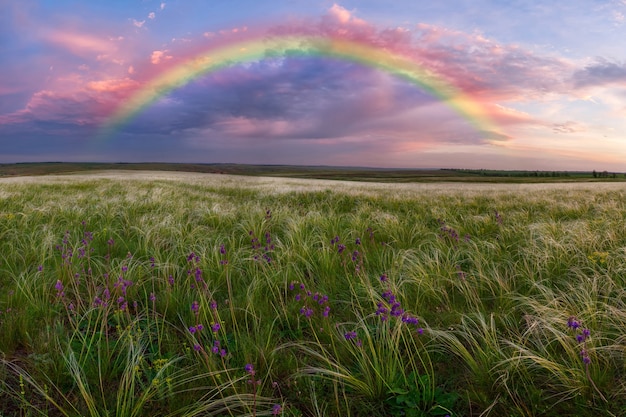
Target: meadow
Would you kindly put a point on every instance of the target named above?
(173, 294)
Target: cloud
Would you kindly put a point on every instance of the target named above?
(138, 23)
(159, 56)
(602, 72)
(162, 6)
(151, 15)
(113, 86)
(81, 44)
(339, 13)
(568, 127)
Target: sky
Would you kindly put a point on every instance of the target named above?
(478, 84)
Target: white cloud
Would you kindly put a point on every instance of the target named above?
(162, 6)
(138, 23)
(151, 15)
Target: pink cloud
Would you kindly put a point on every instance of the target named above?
(112, 86)
(159, 56)
(81, 44)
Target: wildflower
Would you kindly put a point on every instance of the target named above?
(59, 288)
(572, 323)
(213, 305)
(216, 327)
(350, 335)
(358, 241)
(277, 409)
(152, 297)
(341, 248)
(222, 249)
(306, 311)
(585, 356)
(384, 278)
(249, 369)
(195, 307)
(197, 347)
(216, 347)
(40, 268)
(326, 311)
(192, 329)
(355, 255)
(170, 280)
(199, 327)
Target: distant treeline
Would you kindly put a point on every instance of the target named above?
(537, 174)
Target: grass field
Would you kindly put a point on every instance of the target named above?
(154, 293)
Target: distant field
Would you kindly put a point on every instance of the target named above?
(321, 172)
(141, 293)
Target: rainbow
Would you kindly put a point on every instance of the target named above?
(250, 50)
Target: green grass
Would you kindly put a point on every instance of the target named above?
(99, 277)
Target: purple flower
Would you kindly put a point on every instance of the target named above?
(572, 323)
(195, 307)
(384, 278)
(152, 297)
(40, 268)
(197, 347)
(192, 329)
(358, 241)
(585, 356)
(222, 249)
(199, 327)
(350, 335)
(306, 311)
(277, 409)
(59, 288)
(249, 369)
(326, 311)
(341, 248)
(213, 305)
(170, 280)
(216, 327)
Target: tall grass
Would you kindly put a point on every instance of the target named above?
(213, 295)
